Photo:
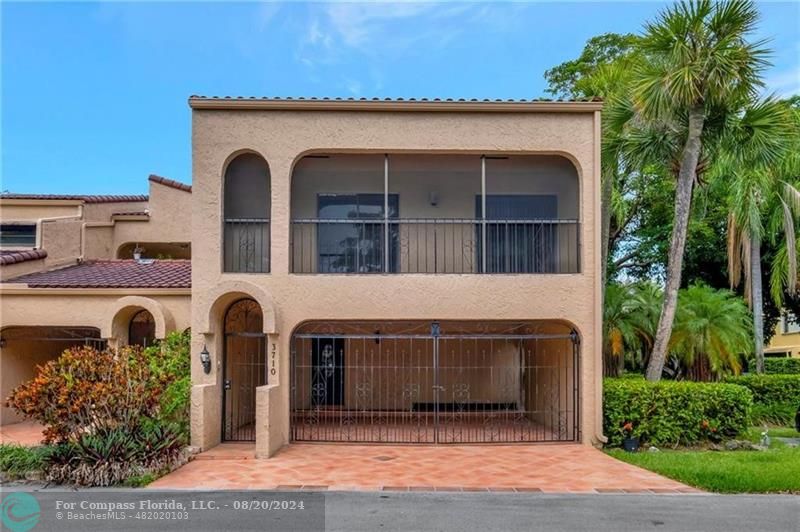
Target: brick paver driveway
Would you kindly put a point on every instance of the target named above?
(547, 468)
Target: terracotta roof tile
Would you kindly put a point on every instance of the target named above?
(362, 99)
(520, 105)
(8, 256)
(170, 183)
(86, 198)
(113, 274)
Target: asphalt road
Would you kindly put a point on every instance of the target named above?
(553, 513)
(414, 511)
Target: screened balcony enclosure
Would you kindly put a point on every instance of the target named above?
(412, 213)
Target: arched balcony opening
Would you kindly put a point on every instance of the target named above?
(246, 235)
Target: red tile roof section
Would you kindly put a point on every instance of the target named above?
(170, 183)
(90, 198)
(113, 274)
(8, 256)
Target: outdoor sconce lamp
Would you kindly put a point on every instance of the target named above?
(205, 359)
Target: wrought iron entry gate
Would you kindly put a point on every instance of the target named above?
(434, 388)
(244, 369)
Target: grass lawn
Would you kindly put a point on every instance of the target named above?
(776, 470)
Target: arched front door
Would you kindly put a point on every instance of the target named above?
(142, 329)
(245, 369)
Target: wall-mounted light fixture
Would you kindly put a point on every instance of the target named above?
(205, 359)
(433, 197)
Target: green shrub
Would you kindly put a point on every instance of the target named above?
(111, 457)
(782, 366)
(16, 461)
(775, 397)
(674, 413)
(114, 415)
(169, 362)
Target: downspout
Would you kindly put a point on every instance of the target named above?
(598, 291)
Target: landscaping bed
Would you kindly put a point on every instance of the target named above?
(110, 417)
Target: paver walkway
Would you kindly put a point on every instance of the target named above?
(28, 433)
(567, 468)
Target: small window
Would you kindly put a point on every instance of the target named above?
(18, 235)
(142, 331)
(790, 323)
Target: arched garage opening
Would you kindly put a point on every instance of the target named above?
(435, 382)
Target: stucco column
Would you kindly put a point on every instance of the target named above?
(206, 396)
(280, 225)
(271, 415)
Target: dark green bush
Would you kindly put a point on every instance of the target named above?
(782, 366)
(674, 413)
(775, 397)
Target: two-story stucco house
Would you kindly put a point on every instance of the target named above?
(418, 271)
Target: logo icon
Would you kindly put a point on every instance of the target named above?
(21, 512)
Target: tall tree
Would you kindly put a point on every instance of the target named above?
(601, 71)
(764, 204)
(698, 60)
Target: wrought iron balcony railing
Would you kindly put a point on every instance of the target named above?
(435, 246)
(246, 245)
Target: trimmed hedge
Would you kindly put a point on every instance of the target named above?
(674, 413)
(782, 366)
(776, 398)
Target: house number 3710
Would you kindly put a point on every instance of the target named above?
(272, 353)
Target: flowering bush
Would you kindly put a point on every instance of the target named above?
(86, 390)
(111, 415)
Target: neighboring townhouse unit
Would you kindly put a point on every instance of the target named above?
(418, 271)
(69, 275)
(785, 340)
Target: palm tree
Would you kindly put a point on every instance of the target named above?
(630, 312)
(697, 62)
(759, 162)
(711, 332)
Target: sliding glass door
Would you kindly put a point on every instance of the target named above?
(352, 230)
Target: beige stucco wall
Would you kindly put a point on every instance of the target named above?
(281, 137)
(105, 310)
(33, 210)
(785, 342)
(11, 271)
(170, 219)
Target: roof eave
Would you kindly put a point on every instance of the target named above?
(203, 103)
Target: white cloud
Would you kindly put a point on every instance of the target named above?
(378, 32)
(786, 83)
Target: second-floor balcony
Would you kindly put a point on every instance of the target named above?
(439, 214)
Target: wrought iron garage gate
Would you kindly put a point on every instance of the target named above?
(435, 388)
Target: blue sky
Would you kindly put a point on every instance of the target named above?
(94, 95)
